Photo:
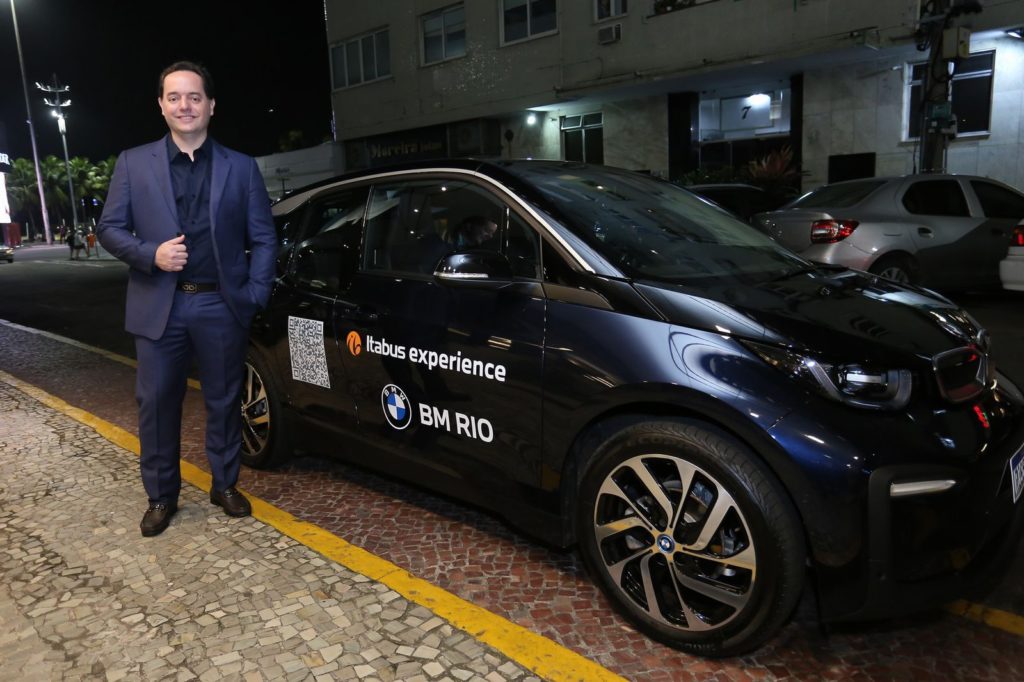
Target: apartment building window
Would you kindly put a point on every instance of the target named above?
(605, 9)
(444, 34)
(523, 19)
(583, 138)
(360, 60)
(970, 93)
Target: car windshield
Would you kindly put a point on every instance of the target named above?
(651, 229)
(841, 195)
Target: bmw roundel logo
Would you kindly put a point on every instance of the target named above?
(397, 408)
(665, 543)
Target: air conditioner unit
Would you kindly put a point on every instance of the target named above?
(609, 34)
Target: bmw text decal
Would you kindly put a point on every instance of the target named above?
(449, 362)
(400, 412)
(397, 409)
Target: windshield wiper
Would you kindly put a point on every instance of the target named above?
(803, 270)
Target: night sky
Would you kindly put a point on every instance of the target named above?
(269, 62)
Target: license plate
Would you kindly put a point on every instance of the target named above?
(1017, 473)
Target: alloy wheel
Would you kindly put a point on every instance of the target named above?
(255, 412)
(674, 542)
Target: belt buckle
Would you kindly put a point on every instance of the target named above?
(189, 287)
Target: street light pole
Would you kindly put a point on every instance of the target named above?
(58, 105)
(31, 131)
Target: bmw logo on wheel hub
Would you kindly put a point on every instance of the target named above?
(397, 408)
(666, 544)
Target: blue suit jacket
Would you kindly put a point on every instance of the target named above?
(140, 214)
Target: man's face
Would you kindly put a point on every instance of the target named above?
(184, 103)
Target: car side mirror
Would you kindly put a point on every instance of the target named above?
(474, 267)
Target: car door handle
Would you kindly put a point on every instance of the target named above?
(925, 232)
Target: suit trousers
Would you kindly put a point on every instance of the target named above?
(200, 326)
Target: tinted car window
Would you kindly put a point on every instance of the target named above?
(326, 259)
(842, 195)
(936, 197)
(522, 248)
(652, 229)
(412, 225)
(998, 202)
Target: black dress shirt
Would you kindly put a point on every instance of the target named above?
(190, 180)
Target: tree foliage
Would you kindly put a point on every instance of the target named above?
(90, 181)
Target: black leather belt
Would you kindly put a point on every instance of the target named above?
(198, 287)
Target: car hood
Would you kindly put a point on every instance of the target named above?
(843, 314)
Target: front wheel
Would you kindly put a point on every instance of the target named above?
(265, 439)
(691, 537)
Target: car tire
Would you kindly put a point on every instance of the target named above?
(900, 269)
(727, 573)
(265, 440)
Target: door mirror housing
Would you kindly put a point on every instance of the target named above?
(474, 266)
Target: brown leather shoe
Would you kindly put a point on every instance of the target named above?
(157, 518)
(233, 502)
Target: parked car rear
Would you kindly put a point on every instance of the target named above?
(943, 231)
(1011, 268)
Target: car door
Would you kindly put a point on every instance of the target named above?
(950, 249)
(446, 373)
(322, 264)
(1002, 209)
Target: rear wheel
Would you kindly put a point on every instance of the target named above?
(690, 537)
(265, 439)
(899, 269)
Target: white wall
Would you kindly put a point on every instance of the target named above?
(863, 108)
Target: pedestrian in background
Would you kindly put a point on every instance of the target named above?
(90, 244)
(69, 239)
(182, 212)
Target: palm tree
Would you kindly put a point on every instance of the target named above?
(97, 180)
(55, 182)
(21, 186)
(80, 168)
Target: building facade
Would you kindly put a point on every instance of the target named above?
(669, 86)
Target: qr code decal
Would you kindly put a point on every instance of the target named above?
(306, 347)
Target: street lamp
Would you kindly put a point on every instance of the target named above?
(31, 130)
(57, 104)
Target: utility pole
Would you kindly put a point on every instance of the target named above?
(938, 121)
(32, 131)
(57, 104)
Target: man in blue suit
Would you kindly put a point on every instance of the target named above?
(192, 220)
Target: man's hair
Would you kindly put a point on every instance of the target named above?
(195, 68)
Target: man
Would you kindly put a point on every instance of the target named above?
(192, 219)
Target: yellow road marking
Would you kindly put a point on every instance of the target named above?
(996, 618)
(537, 653)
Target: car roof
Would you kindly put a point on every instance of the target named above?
(722, 185)
(497, 169)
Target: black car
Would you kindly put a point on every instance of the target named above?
(742, 199)
(607, 360)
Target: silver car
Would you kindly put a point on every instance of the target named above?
(942, 231)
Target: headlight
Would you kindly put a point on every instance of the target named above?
(872, 388)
